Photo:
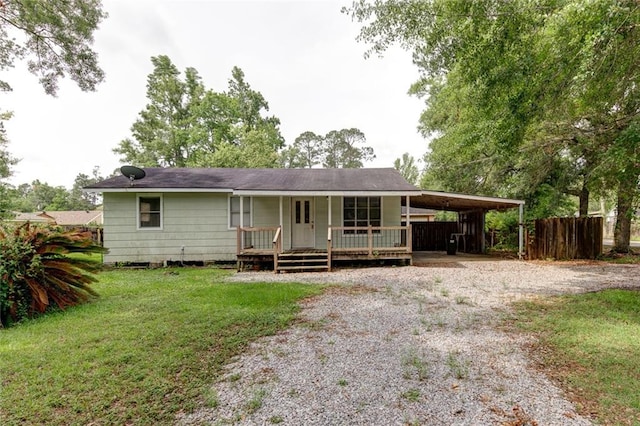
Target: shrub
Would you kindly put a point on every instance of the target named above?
(37, 273)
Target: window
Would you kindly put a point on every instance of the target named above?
(362, 212)
(234, 211)
(150, 212)
(303, 208)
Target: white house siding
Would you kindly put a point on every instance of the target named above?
(321, 221)
(197, 222)
(266, 211)
(391, 211)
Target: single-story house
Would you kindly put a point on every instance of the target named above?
(299, 217)
(295, 218)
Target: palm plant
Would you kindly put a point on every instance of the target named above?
(37, 273)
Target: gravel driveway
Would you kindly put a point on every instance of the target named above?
(405, 345)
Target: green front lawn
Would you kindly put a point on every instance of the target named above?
(590, 344)
(148, 348)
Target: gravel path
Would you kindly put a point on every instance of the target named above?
(405, 345)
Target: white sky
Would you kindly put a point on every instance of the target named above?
(301, 55)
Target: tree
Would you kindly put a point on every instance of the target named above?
(80, 199)
(186, 125)
(55, 38)
(38, 196)
(407, 168)
(521, 96)
(306, 151)
(161, 132)
(340, 149)
(6, 160)
(336, 149)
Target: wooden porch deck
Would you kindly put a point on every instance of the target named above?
(264, 246)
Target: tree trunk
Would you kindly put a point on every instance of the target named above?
(584, 201)
(622, 231)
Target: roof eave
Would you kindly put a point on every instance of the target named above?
(136, 189)
(326, 193)
(473, 197)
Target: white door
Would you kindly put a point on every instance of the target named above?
(302, 232)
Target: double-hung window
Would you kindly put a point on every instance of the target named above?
(234, 211)
(149, 211)
(361, 212)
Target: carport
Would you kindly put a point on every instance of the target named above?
(471, 211)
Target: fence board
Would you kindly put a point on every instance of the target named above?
(432, 236)
(567, 238)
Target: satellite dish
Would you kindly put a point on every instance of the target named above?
(133, 173)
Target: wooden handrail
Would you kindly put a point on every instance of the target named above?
(277, 248)
(329, 244)
(277, 236)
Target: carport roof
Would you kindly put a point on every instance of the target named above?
(449, 201)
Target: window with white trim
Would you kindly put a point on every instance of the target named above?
(150, 211)
(234, 211)
(361, 212)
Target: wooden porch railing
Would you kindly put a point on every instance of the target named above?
(257, 240)
(372, 240)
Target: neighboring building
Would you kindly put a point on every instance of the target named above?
(34, 217)
(84, 220)
(63, 218)
(417, 214)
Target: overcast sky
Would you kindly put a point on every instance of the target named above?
(301, 55)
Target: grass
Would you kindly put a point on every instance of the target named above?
(411, 360)
(459, 368)
(590, 344)
(412, 395)
(150, 347)
(620, 258)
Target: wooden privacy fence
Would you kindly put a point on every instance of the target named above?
(432, 236)
(566, 238)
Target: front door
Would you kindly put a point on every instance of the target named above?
(302, 232)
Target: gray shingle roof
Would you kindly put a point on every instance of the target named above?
(269, 180)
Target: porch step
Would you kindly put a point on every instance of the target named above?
(303, 262)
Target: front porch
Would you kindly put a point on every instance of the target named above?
(372, 243)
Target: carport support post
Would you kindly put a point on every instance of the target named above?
(521, 231)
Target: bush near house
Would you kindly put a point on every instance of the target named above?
(37, 272)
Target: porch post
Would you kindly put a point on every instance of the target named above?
(329, 242)
(242, 211)
(483, 246)
(520, 231)
(281, 212)
(408, 205)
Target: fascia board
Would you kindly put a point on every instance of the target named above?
(472, 197)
